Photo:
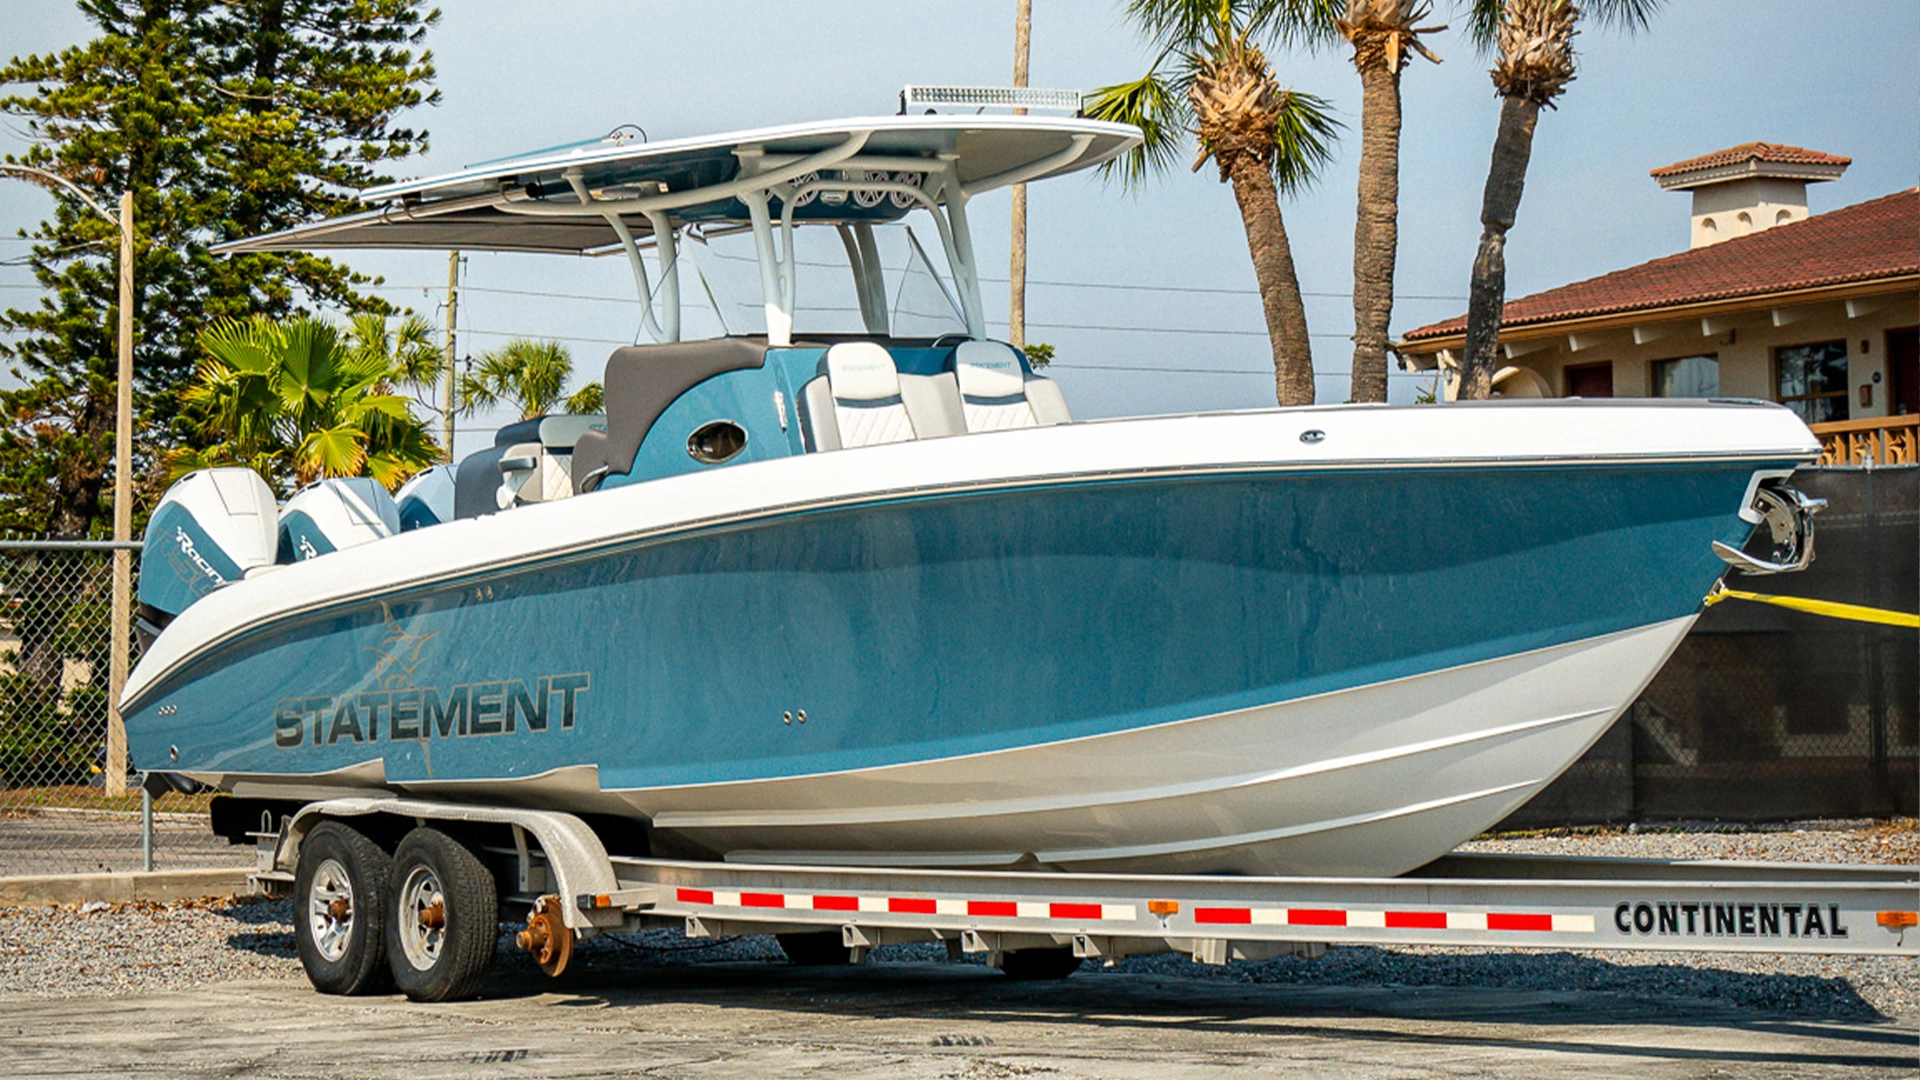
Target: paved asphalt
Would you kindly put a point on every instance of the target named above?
(903, 1021)
(87, 842)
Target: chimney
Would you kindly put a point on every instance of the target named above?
(1748, 188)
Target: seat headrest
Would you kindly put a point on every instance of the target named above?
(861, 371)
(988, 369)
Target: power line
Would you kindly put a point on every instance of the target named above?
(1113, 285)
(1268, 373)
(1171, 330)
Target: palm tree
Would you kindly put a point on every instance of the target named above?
(530, 374)
(409, 349)
(1384, 38)
(296, 401)
(1532, 41)
(1211, 81)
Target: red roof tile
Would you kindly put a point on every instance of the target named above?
(1870, 240)
(1774, 153)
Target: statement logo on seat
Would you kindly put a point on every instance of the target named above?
(400, 711)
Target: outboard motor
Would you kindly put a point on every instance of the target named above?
(211, 528)
(427, 499)
(334, 514)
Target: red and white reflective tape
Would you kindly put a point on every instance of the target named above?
(1395, 920)
(909, 905)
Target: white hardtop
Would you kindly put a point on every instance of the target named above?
(489, 206)
(610, 195)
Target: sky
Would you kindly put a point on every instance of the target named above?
(1707, 75)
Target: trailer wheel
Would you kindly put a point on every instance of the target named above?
(341, 887)
(1036, 964)
(445, 918)
(823, 949)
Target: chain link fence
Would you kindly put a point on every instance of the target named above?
(1765, 714)
(62, 809)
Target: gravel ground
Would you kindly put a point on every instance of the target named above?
(1890, 843)
(141, 947)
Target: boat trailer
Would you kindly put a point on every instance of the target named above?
(555, 868)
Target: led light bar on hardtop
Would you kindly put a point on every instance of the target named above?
(989, 97)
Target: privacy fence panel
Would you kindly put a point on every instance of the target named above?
(1765, 714)
(59, 812)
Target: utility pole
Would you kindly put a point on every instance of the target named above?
(121, 628)
(1017, 272)
(448, 394)
(122, 515)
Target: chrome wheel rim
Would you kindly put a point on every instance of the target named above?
(423, 907)
(330, 910)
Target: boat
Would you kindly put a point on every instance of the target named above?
(872, 597)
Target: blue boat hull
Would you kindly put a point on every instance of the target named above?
(940, 626)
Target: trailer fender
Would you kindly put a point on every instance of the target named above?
(575, 856)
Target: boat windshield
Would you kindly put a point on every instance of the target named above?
(910, 295)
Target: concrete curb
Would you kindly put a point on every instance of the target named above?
(157, 886)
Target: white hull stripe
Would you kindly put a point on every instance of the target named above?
(1524, 922)
(909, 905)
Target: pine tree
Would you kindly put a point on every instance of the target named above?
(225, 119)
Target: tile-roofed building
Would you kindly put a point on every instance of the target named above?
(1821, 313)
(1869, 241)
(1753, 155)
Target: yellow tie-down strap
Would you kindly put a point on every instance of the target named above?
(1828, 608)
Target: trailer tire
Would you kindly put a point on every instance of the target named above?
(822, 949)
(1034, 965)
(340, 893)
(444, 918)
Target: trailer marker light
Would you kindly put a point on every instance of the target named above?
(1164, 908)
(1894, 920)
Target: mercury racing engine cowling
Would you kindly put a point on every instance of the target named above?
(335, 514)
(427, 499)
(210, 529)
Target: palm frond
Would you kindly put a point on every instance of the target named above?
(269, 395)
(531, 374)
(367, 335)
(1156, 106)
(1179, 24)
(1483, 17)
(1303, 141)
(334, 451)
(1629, 15)
(475, 394)
(417, 354)
(588, 400)
(1483, 23)
(388, 406)
(1307, 24)
(242, 345)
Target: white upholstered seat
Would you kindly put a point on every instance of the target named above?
(998, 394)
(866, 395)
(863, 400)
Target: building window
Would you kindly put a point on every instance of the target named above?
(1812, 380)
(1687, 377)
(1590, 380)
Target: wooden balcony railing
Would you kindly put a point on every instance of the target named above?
(1876, 440)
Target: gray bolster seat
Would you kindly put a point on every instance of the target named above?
(641, 381)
